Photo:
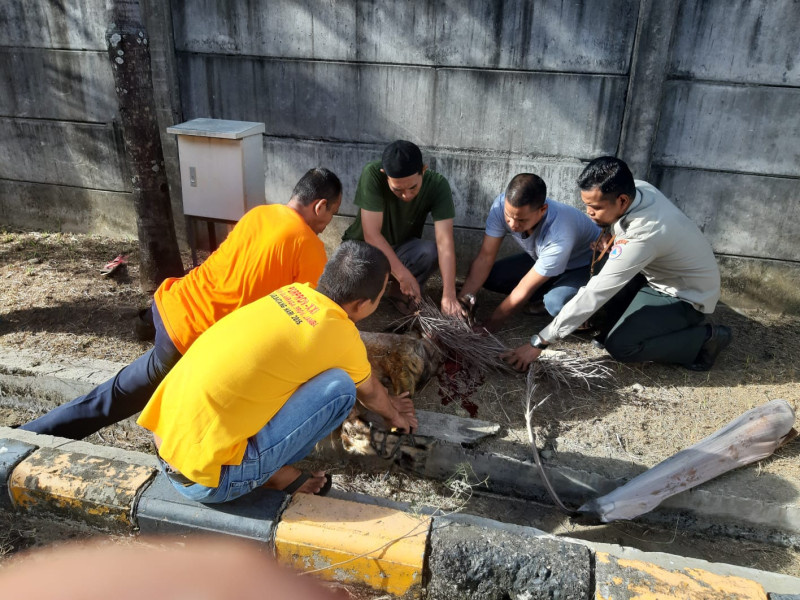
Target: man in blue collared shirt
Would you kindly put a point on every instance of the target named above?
(556, 239)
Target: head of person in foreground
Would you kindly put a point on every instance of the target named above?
(355, 278)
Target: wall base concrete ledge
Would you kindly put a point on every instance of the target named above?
(361, 540)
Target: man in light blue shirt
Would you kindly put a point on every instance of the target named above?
(556, 241)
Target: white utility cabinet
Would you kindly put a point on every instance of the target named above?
(222, 167)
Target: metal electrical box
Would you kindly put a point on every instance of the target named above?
(222, 167)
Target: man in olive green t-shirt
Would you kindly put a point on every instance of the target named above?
(395, 196)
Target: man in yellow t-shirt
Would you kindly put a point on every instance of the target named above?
(262, 386)
(271, 246)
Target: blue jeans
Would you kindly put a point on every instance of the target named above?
(123, 395)
(317, 408)
(419, 256)
(507, 272)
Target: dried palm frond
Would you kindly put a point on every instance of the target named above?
(529, 409)
(566, 371)
(569, 371)
(455, 338)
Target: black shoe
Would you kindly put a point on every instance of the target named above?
(720, 339)
(143, 327)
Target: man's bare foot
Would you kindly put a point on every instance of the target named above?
(287, 475)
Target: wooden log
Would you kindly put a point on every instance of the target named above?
(749, 438)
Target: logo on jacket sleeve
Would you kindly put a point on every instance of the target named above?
(616, 249)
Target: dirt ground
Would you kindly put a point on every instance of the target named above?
(54, 300)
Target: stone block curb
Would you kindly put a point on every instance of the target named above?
(162, 510)
(357, 542)
(626, 579)
(342, 540)
(12, 452)
(97, 491)
(474, 561)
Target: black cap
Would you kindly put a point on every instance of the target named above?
(401, 159)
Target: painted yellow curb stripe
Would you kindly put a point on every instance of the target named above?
(646, 581)
(98, 491)
(350, 542)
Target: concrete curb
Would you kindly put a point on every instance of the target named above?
(355, 539)
(722, 505)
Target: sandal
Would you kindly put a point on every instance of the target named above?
(305, 476)
(110, 267)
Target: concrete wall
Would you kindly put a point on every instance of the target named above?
(348, 77)
(487, 89)
(700, 97)
(62, 159)
(62, 163)
(727, 148)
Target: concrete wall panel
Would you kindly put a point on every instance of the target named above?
(646, 78)
(76, 24)
(474, 179)
(455, 108)
(478, 179)
(758, 283)
(317, 100)
(74, 154)
(738, 40)
(306, 29)
(551, 35)
(72, 86)
(538, 113)
(287, 161)
(729, 127)
(59, 208)
(744, 215)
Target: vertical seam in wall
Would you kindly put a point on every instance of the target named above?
(645, 13)
(634, 52)
(661, 95)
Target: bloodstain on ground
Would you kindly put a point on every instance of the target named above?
(458, 380)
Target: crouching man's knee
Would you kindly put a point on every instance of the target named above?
(623, 348)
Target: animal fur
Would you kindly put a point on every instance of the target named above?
(402, 363)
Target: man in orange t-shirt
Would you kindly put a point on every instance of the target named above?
(270, 247)
(262, 386)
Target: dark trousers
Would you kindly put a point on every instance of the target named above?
(123, 395)
(642, 324)
(419, 256)
(507, 272)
